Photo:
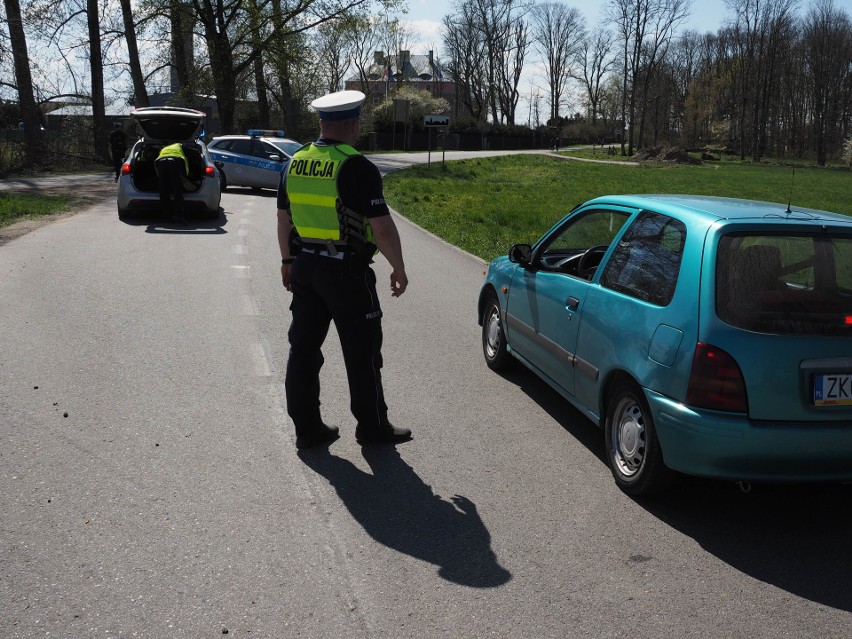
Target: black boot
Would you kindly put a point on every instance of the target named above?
(384, 434)
(316, 436)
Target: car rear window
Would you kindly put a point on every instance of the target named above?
(786, 284)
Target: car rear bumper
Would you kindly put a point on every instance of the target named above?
(730, 446)
(146, 201)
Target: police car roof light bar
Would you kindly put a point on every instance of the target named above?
(267, 132)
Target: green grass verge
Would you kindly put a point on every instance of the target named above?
(485, 205)
(18, 206)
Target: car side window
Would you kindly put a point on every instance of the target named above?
(240, 146)
(263, 150)
(578, 247)
(646, 262)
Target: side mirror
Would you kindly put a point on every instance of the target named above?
(520, 254)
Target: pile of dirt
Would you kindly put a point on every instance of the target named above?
(673, 154)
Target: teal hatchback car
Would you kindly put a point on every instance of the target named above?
(706, 336)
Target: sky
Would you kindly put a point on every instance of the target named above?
(707, 15)
(424, 17)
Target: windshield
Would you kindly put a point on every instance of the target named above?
(288, 146)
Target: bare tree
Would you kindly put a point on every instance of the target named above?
(646, 28)
(24, 84)
(364, 38)
(96, 65)
(128, 33)
(487, 41)
(466, 51)
(559, 34)
(332, 44)
(664, 18)
(505, 38)
(759, 29)
(827, 48)
(595, 63)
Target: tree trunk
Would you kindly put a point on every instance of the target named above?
(99, 125)
(140, 93)
(259, 76)
(29, 114)
(181, 20)
(262, 99)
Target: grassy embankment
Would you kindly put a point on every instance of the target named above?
(485, 205)
(18, 206)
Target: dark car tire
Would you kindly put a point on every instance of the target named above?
(494, 347)
(632, 447)
(123, 214)
(223, 181)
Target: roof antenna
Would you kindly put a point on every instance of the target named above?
(792, 181)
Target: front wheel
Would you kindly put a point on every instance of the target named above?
(493, 338)
(632, 447)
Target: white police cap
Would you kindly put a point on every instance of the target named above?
(341, 105)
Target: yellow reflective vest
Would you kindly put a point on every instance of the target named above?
(315, 206)
(174, 151)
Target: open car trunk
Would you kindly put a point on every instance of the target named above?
(145, 175)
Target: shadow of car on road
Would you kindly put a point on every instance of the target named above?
(792, 536)
(197, 224)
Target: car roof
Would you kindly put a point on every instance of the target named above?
(270, 138)
(714, 208)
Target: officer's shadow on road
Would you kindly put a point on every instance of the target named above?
(795, 537)
(399, 510)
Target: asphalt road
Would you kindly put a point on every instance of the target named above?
(149, 486)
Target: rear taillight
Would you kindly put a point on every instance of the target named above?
(716, 381)
(125, 168)
(209, 171)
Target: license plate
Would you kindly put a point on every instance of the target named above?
(833, 390)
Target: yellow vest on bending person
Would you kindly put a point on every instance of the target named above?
(174, 151)
(315, 206)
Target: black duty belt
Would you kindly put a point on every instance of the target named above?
(336, 255)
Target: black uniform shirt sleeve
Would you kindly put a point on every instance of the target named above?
(360, 187)
(283, 201)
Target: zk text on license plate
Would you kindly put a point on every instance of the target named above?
(833, 390)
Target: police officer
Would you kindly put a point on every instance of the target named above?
(172, 166)
(117, 145)
(332, 217)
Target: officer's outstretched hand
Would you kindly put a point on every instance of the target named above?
(398, 282)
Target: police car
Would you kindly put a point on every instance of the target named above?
(254, 160)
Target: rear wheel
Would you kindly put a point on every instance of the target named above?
(223, 181)
(632, 447)
(493, 338)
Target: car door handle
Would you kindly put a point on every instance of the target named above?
(572, 303)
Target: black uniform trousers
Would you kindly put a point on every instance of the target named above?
(326, 289)
(117, 158)
(170, 172)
